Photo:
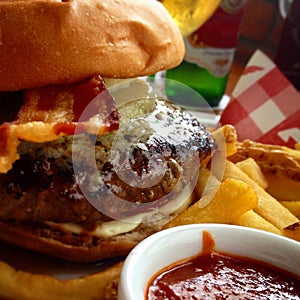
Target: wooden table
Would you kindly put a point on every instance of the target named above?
(234, 75)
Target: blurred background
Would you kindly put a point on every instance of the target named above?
(218, 51)
(262, 28)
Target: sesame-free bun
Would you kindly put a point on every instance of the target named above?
(48, 42)
(58, 241)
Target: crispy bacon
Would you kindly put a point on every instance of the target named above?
(50, 112)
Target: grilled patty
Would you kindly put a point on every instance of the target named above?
(86, 178)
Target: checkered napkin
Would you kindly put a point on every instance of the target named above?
(265, 107)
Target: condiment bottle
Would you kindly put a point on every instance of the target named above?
(209, 56)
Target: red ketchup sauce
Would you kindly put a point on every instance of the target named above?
(216, 275)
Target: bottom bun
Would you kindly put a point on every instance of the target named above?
(61, 241)
(22, 283)
(37, 240)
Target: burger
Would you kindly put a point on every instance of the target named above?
(83, 178)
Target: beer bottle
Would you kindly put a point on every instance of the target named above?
(190, 14)
(208, 59)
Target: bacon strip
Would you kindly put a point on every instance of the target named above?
(54, 111)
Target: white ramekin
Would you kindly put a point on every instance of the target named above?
(171, 245)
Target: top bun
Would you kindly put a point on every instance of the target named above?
(55, 42)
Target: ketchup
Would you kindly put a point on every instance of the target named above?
(213, 275)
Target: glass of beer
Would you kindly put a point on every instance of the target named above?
(190, 14)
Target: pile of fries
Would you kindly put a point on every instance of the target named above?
(236, 193)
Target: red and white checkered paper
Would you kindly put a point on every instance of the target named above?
(265, 106)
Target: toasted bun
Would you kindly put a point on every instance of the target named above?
(49, 42)
(30, 239)
(280, 165)
(102, 285)
(84, 246)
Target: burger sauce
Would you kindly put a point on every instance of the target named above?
(213, 275)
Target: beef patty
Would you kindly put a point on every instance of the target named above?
(84, 178)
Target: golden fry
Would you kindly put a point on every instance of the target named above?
(231, 199)
(293, 231)
(252, 219)
(226, 135)
(252, 169)
(268, 207)
(280, 166)
(292, 206)
(206, 183)
(282, 187)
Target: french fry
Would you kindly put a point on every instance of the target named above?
(231, 199)
(268, 207)
(280, 166)
(226, 135)
(252, 219)
(282, 187)
(293, 231)
(206, 182)
(253, 170)
(292, 206)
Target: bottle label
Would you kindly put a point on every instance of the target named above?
(217, 61)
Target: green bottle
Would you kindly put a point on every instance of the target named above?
(209, 56)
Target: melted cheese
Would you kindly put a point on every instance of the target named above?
(176, 206)
(116, 227)
(124, 90)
